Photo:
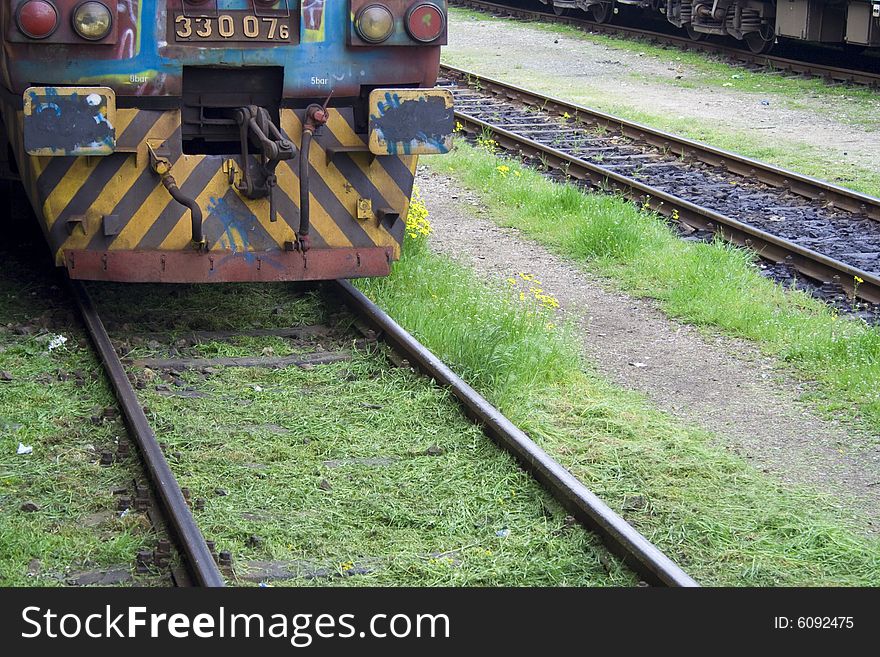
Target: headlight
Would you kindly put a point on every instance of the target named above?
(92, 20)
(37, 19)
(374, 23)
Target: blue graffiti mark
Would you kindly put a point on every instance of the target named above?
(235, 237)
(234, 226)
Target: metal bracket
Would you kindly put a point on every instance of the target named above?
(260, 181)
(333, 151)
(80, 221)
(364, 209)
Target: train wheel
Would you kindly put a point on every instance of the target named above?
(603, 12)
(559, 11)
(693, 34)
(760, 42)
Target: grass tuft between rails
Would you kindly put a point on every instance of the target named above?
(714, 285)
(719, 518)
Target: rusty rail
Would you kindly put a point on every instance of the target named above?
(782, 64)
(197, 557)
(618, 535)
(772, 247)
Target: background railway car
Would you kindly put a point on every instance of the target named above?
(221, 140)
(756, 22)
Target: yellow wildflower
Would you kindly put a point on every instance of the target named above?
(417, 224)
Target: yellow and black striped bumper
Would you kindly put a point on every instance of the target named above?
(110, 217)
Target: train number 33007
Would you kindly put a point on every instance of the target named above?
(231, 27)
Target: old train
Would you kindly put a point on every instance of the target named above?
(758, 23)
(221, 140)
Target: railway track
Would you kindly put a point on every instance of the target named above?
(199, 557)
(825, 232)
(739, 56)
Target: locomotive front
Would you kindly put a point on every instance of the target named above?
(222, 140)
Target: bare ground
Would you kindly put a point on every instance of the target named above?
(725, 386)
(604, 77)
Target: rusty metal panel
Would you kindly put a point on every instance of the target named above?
(191, 266)
(69, 121)
(411, 121)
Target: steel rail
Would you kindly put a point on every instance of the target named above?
(797, 183)
(778, 249)
(831, 73)
(198, 559)
(618, 535)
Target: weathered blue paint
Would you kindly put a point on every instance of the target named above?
(312, 67)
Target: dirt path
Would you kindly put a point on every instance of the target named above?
(609, 78)
(722, 385)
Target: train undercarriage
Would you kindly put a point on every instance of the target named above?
(758, 23)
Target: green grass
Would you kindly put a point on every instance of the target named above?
(724, 522)
(856, 106)
(46, 406)
(417, 494)
(713, 285)
(270, 438)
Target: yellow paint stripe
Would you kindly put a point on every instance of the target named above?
(279, 230)
(386, 185)
(343, 190)
(319, 219)
(114, 190)
(321, 222)
(75, 178)
(162, 129)
(347, 196)
(179, 236)
(146, 215)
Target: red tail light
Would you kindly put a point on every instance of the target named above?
(37, 19)
(425, 22)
